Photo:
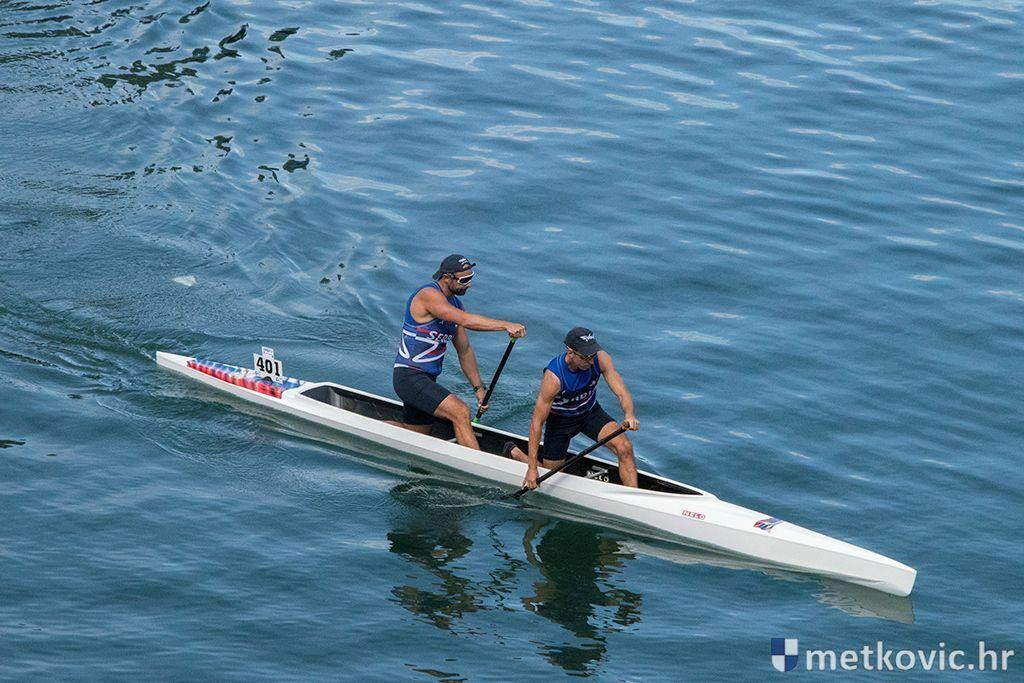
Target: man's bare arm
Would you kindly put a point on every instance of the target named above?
(467, 357)
(618, 387)
(433, 303)
(549, 388)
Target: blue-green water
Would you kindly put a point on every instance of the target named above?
(797, 227)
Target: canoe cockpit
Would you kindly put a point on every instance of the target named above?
(491, 441)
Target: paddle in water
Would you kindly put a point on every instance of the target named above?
(494, 380)
(573, 460)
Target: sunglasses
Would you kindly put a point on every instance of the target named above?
(577, 353)
(464, 280)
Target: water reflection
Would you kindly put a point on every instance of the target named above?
(577, 590)
(857, 601)
(564, 571)
(435, 552)
(569, 547)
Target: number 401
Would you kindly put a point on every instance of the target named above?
(268, 365)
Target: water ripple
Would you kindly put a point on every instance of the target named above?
(809, 216)
(514, 132)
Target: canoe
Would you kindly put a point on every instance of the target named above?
(660, 508)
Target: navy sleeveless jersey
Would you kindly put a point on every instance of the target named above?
(579, 389)
(423, 345)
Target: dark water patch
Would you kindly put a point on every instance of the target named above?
(26, 359)
(444, 676)
(29, 7)
(195, 12)
(43, 20)
(141, 76)
(293, 164)
(151, 18)
(282, 34)
(72, 32)
(125, 175)
(28, 55)
(228, 40)
(161, 49)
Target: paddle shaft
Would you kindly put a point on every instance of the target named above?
(494, 380)
(574, 459)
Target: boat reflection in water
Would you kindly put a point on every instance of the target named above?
(456, 596)
(427, 533)
(448, 493)
(857, 601)
(568, 572)
(579, 590)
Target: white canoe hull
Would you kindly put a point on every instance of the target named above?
(700, 519)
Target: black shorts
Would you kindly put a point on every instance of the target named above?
(559, 430)
(420, 394)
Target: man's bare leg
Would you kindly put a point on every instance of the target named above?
(623, 450)
(454, 410)
(518, 454)
(620, 446)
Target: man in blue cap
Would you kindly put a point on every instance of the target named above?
(434, 316)
(567, 405)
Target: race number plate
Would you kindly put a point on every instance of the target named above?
(265, 364)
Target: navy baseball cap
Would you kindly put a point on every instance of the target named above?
(581, 340)
(453, 263)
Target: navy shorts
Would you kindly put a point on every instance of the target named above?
(420, 394)
(559, 430)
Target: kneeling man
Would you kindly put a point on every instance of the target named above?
(434, 316)
(567, 405)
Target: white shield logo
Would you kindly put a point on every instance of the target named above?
(785, 652)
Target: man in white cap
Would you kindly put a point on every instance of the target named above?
(434, 316)
(567, 405)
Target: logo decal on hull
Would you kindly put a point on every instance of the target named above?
(695, 515)
(768, 523)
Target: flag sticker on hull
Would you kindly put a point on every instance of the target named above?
(243, 378)
(768, 523)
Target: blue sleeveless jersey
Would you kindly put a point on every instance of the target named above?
(423, 345)
(579, 389)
